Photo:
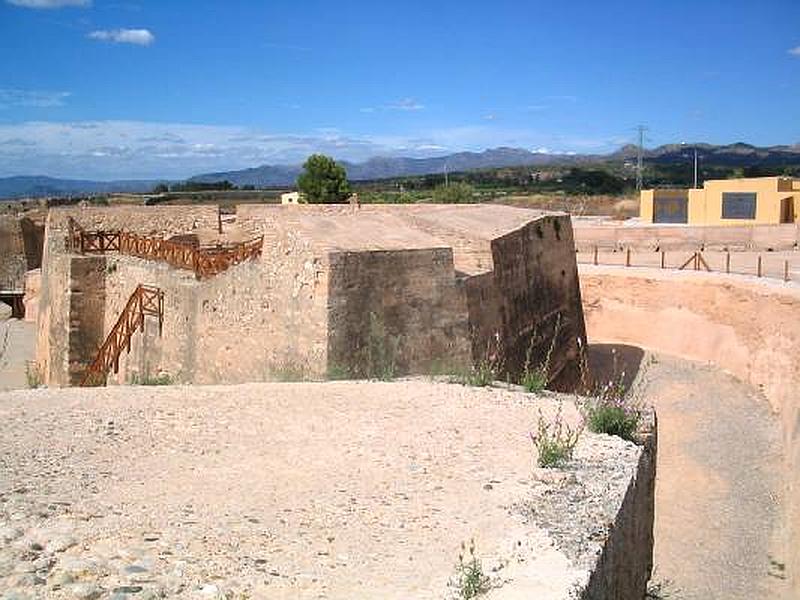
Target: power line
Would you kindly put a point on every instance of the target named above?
(639, 152)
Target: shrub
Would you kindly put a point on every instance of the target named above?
(554, 441)
(288, 372)
(480, 375)
(611, 411)
(535, 379)
(470, 580)
(162, 378)
(455, 193)
(33, 375)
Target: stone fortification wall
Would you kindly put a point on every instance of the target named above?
(538, 293)
(404, 301)
(62, 274)
(248, 323)
(746, 326)
(686, 237)
(515, 268)
(625, 564)
(328, 280)
(21, 241)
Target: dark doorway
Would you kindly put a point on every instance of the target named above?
(670, 209)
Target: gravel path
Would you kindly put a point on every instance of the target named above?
(718, 486)
(17, 347)
(331, 490)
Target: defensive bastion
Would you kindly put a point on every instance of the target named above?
(443, 286)
(425, 287)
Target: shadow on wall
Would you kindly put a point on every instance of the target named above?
(610, 362)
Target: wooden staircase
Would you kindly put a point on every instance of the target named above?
(145, 301)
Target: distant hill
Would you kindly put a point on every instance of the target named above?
(385, 167)
(732, 155)
(34, 186)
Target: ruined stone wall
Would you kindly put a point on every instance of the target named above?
(55, 320)
(625, 564)
(404, 301)
(533, 295)
(87, 301)
(13, 261)
(746, 326)
(252, 322)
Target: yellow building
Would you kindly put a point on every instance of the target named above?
(761, 200)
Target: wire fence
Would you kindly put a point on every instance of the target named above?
(783, 266)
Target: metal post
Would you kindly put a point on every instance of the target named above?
(759, 265)
(628, 257)
(728, 263)
(663, 260)
(595, 256)
(786, 270)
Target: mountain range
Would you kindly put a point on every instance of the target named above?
(732, 155)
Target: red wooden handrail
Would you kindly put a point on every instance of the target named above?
(204, 261)
(144, 301)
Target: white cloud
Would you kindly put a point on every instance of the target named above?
(49, 3)
(795, 51)
(31, 98)
(139, 37)
(138, 149)
(406, 104)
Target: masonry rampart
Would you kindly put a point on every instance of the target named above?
(410, 297)
(746, 326)
(55, 318)
(20, 250)
(326, 280)
(539, 295)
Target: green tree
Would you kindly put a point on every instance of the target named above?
(323, 181)
(454, 193)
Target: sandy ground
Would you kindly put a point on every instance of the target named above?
(330, 490)
(718, 489)
(17, 347)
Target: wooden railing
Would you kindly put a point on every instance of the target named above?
(144, 301)
(205, 261)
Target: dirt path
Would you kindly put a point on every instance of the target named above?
(718, 488)
(17, 347)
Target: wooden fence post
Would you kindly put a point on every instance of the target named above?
(759, 265)
(728, 262)
(628, 257)
(786, 270)
(663, 260)
(595, 256)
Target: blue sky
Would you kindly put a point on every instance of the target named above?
(154, 88)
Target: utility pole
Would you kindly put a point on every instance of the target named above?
(640, 149)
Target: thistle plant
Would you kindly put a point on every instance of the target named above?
(554, 440)
(610, 410)
(470, 580)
